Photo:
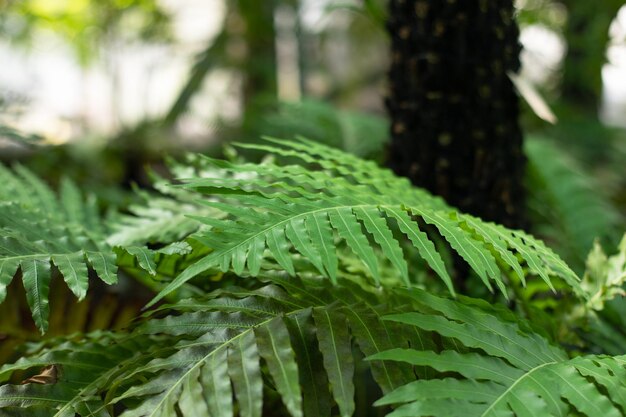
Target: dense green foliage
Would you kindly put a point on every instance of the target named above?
(40, 229)
(282, 207)
(566, 203)
(318, 261)
(298, 277)
(503, 368)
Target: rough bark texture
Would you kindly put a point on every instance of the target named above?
(453, 109)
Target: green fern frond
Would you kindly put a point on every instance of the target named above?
(288, 208)
(211, 356)
(569, 208)
(605, 276)
(301, 339)
(501, 369)
(604, 282)
(81, 368)
(162, 217)
(39, 230)
(157, 220)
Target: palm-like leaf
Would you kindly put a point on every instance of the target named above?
(500, 368)
(284, 208)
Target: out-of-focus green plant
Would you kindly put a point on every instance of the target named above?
(355, 132)
(85, 24)
(299, 319)
(566, 205)
(587, 36)
(605, 276)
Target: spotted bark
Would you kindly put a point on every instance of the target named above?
(454, 111)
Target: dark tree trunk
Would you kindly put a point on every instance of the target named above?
(453, 109)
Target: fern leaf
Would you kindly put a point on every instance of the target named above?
(157, 219)
(377, 226)
(104, 265)
(420, 240)
(217, 388)
(388, 375)
(299, 236)
(30, 243)
(72, 203)
(352, 200)
(39, 192)
(470, 365)
(8, 267)
(89, 362)
(569, 208)
(472, 251)
(604, 276)
(176, 248)
(335, 345)
(490, 236)
(206, 355)
(275, 348)
(36, 280)
(245, 372)
(145, 258)
(192, 401)
(278, 245)
(585, 397)
(316, 398)
(507, 372)
(74, 271)
(607, 373)
(323, 241)
(348, 228)
(39, 229)
(32, 397)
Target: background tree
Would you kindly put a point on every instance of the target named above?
(587, 34)
(453, 109)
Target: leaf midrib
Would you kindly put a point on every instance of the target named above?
(217, 254)
(509, 389)
(207, 261)
(207, 356)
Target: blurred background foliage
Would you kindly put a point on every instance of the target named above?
(98, 90)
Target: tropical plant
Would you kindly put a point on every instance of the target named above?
(295, 286)
(501, 368)
(567, 206)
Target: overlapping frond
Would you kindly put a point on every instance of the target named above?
(570, 209)
(499, 368)
(39, 230)
(211, 356)
(157, 220)
(298, 336)
(80, 370)
(162, 216)
(282, 209)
